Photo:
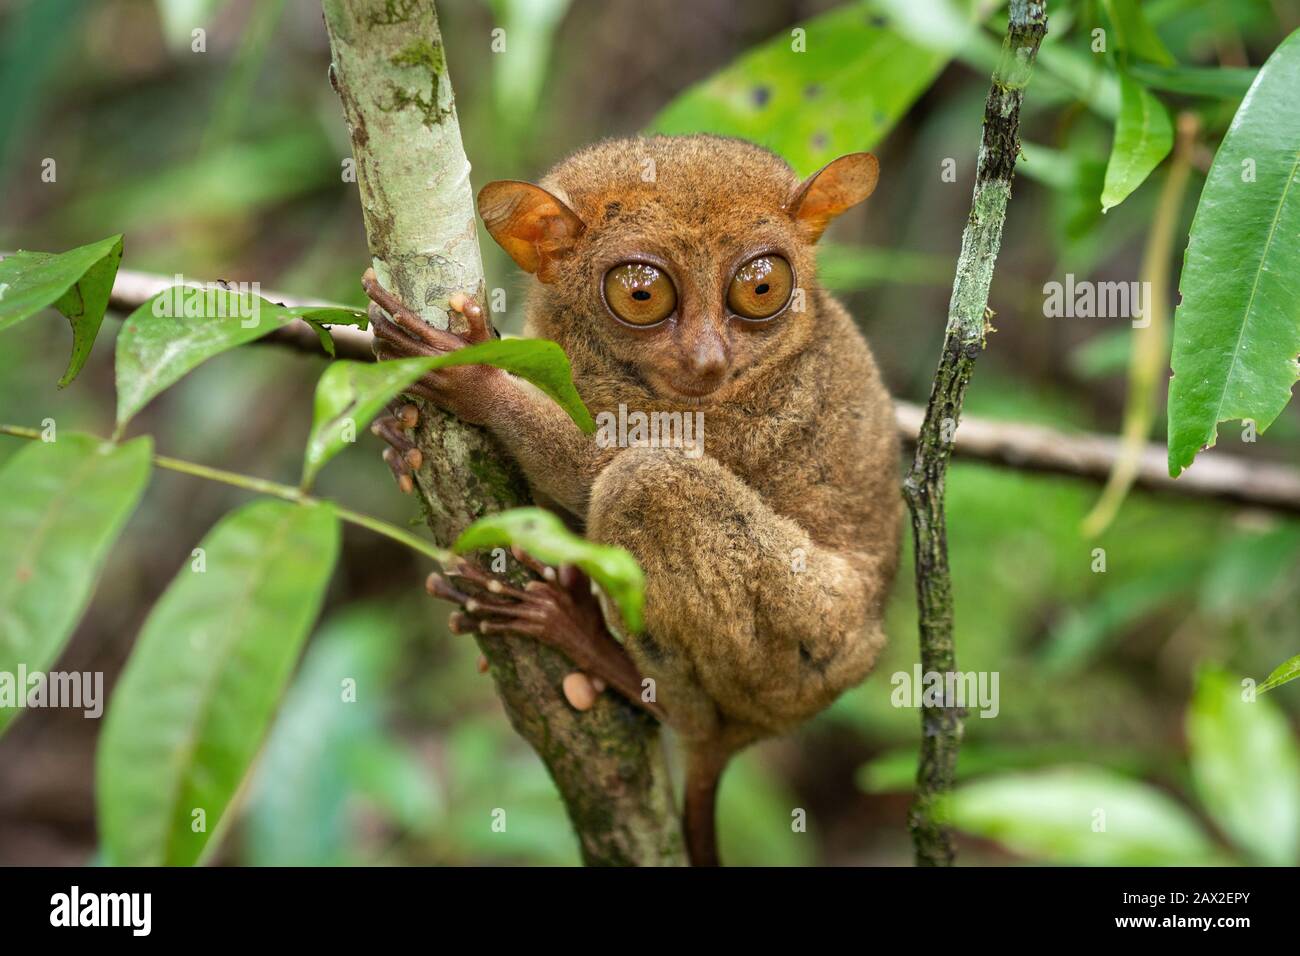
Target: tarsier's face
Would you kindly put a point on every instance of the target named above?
(694, 305)
(642, 294)
(694, 278)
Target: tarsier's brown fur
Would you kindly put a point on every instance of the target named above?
(768, 558)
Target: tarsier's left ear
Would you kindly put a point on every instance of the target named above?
(533, 226)
(837, 186)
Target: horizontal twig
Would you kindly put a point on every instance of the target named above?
(1217, 476)
(132, 289)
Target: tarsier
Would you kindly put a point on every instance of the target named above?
(768, 558)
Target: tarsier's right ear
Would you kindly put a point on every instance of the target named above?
(533, 226)
(837, 186)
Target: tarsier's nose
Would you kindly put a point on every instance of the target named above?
(708, 357)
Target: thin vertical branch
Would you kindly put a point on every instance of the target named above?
(390, 71)
(941, 726)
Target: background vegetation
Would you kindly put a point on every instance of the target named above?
(228, 164)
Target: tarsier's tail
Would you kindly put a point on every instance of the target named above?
(699, 812)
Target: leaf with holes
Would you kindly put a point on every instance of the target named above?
(1237, 329)
(77, 283)
(208, 670)
(835, 84)
(63, 505)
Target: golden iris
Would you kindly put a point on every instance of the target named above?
(639, 294)
(761, 287)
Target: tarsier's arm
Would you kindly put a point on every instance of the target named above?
(560, 462)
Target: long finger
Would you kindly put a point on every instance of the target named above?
(386, 429)
(397, 465)
(543, 571)
(401, 315)
(386, 331)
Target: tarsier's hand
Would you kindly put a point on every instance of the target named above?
(470, 392)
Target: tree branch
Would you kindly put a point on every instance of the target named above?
(941, 726)
(390, 72)
(1217, 476)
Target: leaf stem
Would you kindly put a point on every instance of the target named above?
(275, 489)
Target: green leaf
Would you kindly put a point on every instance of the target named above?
(321, 318)
(1081, 816)
(184, 326)
(1237, 329)
(855, 78)
(350, 394)
(62, 505)
(1284, 673)
(1220, 82)
(1246, 768)
(1133, 34)
(540, 361)
(544, 536)
(77, 283)
(199, 692)
(1144, 135)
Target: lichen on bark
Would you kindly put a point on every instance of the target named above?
(389, 69)
(941, 726)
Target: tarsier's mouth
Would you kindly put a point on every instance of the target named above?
(691, 391)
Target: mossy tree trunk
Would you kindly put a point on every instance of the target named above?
(390, 72)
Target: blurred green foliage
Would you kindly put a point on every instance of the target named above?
(231, 164)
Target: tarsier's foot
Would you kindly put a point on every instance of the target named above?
(402, 457)
(559, 610)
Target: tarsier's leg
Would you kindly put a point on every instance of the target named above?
(558, 610)
(739, 600)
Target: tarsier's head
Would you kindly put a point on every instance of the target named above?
(687, 260)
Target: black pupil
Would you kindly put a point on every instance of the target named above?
(761, 288)
(640, 295)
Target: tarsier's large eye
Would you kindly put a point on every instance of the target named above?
(761, 287)
(639, 294)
